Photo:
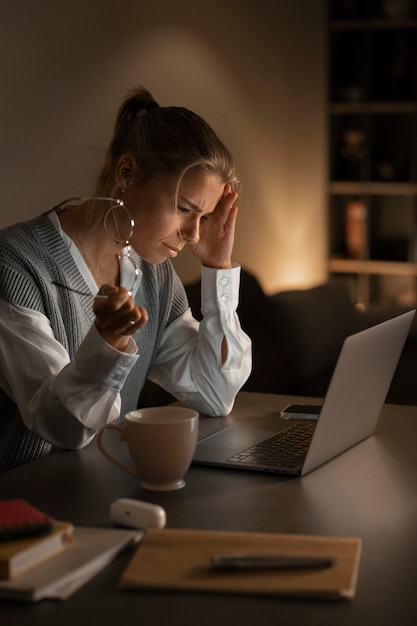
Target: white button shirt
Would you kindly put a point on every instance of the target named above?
(65, 401)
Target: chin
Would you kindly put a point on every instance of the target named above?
(155, 260)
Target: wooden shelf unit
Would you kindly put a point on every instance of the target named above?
(372, 114)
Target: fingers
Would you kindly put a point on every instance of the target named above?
(133, 322)
(229, 198)
(117, 314)
(225, 213)
(215, 246)
(231, 218)
(112, 300)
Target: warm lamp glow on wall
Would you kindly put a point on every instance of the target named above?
(295, 264)
(281, 232)
(282, 237)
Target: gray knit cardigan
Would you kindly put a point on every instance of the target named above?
(33, 256)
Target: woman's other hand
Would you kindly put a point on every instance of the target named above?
(117, 316)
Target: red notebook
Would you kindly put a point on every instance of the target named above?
(18, 518)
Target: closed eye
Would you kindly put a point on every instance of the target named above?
(186, 210)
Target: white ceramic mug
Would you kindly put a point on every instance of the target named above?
(161, 443)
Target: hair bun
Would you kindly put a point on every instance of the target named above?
(152, 105)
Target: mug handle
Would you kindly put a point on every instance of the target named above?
(120, 427)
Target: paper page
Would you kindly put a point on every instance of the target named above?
(93, 549)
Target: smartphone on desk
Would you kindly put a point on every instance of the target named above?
(301, 412)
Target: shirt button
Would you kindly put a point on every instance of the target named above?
(124, 363)
(224, 281)
(116, 377)
(224, 297)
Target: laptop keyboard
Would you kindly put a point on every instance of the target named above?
(286, 449)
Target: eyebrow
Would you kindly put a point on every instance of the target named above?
(190, 204)
(194, 207)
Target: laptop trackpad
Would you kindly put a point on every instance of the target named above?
(230, 441)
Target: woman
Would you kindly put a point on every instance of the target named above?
(90, 305)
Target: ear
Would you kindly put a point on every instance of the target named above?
(126, 169)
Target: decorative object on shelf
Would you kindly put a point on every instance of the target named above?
(352, 153)
(355, 228)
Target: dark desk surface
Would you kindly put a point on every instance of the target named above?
(368, 492)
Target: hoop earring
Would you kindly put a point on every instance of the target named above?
(119, 240)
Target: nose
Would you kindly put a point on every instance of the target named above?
(190, 232)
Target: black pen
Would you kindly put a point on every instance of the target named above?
(246, 562)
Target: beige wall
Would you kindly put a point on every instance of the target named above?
(255, 69)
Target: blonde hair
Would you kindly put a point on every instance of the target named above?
(163, 140)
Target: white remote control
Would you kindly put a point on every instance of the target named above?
(137, 514)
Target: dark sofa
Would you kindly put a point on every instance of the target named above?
(297, 336)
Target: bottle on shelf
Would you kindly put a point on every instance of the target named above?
(355, 228)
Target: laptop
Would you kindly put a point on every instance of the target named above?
(348, 415)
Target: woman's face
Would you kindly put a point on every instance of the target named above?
(161, 228)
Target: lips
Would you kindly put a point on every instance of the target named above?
(172, 250)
